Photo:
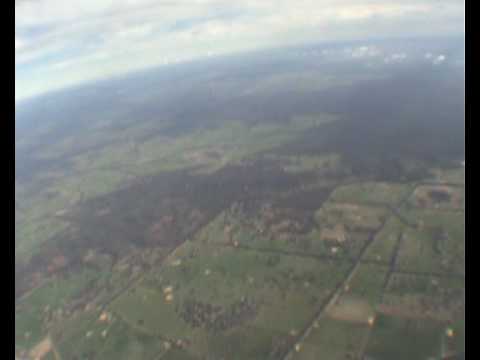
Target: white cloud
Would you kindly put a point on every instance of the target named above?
(364, 11)
(70, 63)
(363, 51)
(135, 31)
(439, 59)
(35, 52)
(395, 58)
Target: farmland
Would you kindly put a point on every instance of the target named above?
(268, 225)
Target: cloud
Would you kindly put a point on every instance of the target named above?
(439, 59)
(364, 51)
(136, 31)
(76, 61)
(362, 11)
(395, 58)
(51, 35)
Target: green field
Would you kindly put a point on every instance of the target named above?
(271, 285)
(397, 338)
(371, 192)
(333, 339)
(434, 246)
(384, 243)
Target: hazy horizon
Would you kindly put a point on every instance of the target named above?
(58, 46)
(348, 47)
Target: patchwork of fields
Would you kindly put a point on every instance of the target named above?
(244, 211)
(363, 269)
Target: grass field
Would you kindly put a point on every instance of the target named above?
(452, 175)
(113, 339)
(333, 339)
(273, 287)
(434, 246)
(384, 243)
(398, 338)
(368, 283)
(46, 302)
(371, 192)
(424, 297)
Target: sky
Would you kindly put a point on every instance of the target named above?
(61, 43)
